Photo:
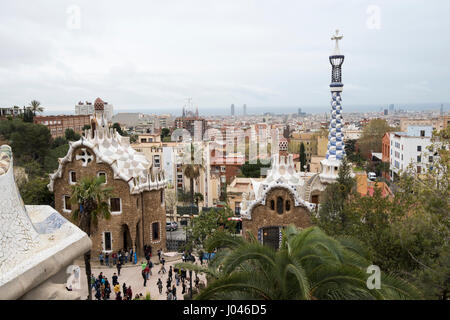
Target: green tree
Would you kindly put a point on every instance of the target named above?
(253, 170)
(165, 132)
(372, 135)
(118, 128)
(35, 106)
(29, 140)
(90, 199)
(407, 234)
(71, 135)
(58, 141)
(28, 115)
(209, 222)
(86, 127)
(302, 156)
(198, 197)
(192, 171)
(35, 192)
(51, 159)
(309, 265)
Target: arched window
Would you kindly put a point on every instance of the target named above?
(279, 205)
(272, 205)
(288, 205)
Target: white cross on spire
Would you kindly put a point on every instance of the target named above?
(337, 37)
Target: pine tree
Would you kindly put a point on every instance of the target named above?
(302, 157)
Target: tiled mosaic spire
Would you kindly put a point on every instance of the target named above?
(335, 150)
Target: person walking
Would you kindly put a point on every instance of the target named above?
(129, 293)
(162, 270)
(117, 289)
(100, 257)
(118, 296)
(114, 279)
(125, 259)
(147, 271)
(131, 255)
(160, 285)
(114, 257)
(150, 266)
(124, 289)
(177, 279)
(163, 261)
(107, 259)
(119, 266)
(159, 255)
(183, 286)
(144, 275)
(169, 295)
(174, 292)
(197, 280)
(170, 273)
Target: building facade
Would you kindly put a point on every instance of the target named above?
(137, 207)
(410, 150)
(276, 202)
(58, 124)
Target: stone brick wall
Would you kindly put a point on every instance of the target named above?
(264, 216)
(138, 211)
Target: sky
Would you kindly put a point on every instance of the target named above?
(270, 55)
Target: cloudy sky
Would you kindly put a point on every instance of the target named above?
(154, 54)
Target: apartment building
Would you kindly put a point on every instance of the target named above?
(58, 124)
(409, 150)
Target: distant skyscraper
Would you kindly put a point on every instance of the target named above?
(391, 108)
(232, 109)
(299, 111)
(442, 109)
(245, 109)
(385, 112)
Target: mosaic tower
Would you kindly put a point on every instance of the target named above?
(335, 148)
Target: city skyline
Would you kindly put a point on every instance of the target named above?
(257, 53)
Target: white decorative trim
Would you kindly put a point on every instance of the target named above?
(107, 145)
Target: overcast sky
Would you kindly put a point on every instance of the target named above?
(155, 54)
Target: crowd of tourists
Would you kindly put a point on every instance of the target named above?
(177, 279)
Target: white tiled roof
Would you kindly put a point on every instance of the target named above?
(111, 148)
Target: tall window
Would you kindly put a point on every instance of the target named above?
(419, 158)
(115, 205)
(419, 148)
(162, 197)
(102, 174)
(279, 205)
(67, 203)
(288, 205)
(272, 205)
(155, 230)
(72, 177)
(107, 241)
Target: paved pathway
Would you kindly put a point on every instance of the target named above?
(131, 275)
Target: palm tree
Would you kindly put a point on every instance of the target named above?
(192, 172)
(198, 197)
(308, 266)
(36, 106)
(91, 198)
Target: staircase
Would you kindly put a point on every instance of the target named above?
(308, 186)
